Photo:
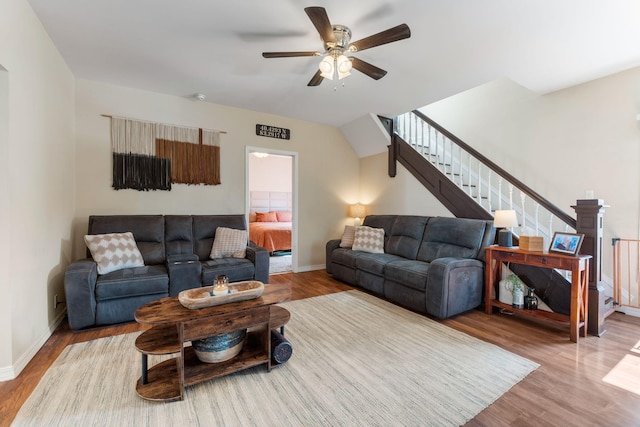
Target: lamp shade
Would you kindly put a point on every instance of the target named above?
(506, 218)
(357, 211)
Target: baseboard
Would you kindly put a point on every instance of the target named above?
(630, 311)
(9, 373)
(302, 269)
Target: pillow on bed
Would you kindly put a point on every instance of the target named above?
(369, 239)
(229, 243)
(266, 217)
(283, 216)
(347, 236)
(253, 217)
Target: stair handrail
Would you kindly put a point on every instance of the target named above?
(555, 210)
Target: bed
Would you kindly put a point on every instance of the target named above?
(270, 220)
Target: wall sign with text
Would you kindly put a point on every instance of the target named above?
(273, 132)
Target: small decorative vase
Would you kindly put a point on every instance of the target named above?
(518, 298)
(531, 301)
(505, 293)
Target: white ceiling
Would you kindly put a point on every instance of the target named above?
(214, 47)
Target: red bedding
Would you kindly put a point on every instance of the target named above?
(274, 236)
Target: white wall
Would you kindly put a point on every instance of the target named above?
(38, 171)
(5, 229)
(561, 144)
(323, 192)
(271, 173)
(402, 194)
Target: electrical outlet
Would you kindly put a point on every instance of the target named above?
(55, 301)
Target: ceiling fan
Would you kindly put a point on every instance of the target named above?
(337, 41)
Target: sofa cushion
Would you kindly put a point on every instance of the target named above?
(148, 231)
(375, 263)
(451, 237)
(346, 257)
(204, 230)
(178, 234)
(236, 269)
(131, 282)
(406, 236)
(348, 236)
(114, 251)
(229, 242)
(408, 273)
(381, 221)
(369, 239)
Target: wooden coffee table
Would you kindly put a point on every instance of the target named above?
(173, 325)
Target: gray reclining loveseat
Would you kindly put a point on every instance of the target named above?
(433, 265)
(175, 250)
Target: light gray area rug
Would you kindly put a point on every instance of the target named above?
(357, 361)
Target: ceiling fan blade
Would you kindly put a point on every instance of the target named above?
(394, 34)
(316, 79)
(288, 54)
(320, 20)
(368, 69)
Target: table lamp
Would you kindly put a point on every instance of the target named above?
(503, 220)
(357, 211)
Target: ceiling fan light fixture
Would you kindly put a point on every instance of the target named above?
(344, 65)
(326, 67)
(335, 66)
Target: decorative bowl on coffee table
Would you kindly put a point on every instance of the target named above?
(203, 297)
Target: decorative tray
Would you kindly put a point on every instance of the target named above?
(238, 291)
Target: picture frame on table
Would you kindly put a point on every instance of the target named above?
(566, 243)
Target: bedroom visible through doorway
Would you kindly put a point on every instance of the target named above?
(271, 213)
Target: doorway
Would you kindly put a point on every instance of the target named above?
(271, 205)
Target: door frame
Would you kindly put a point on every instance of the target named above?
(294, 194)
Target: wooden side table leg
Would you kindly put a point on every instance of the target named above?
(585, 298)
(576, 297)
(491, 267)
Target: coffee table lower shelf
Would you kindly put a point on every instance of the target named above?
(164, 380)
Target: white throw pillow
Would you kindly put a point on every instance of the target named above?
(369, 239)
(229, 243)
(348, 236)
(114, 251)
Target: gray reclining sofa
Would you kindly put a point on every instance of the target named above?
(175, 249)
(433, 265)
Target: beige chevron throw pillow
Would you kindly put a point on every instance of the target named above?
(229, 243)
(114, 251)
(369, 239)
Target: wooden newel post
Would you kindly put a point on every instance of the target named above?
(589, 221)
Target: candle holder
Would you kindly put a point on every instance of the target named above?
(221, 286)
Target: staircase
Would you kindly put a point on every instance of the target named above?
(475, 176)
(470, 185)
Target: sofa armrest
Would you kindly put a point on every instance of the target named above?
(185, 272)
(79, 286)
(330, 247)
(454, 285)
(259, 256)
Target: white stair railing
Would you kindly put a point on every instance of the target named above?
(487, 187)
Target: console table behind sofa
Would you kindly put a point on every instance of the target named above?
(175, 249)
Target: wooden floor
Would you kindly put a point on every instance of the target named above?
(567, 390)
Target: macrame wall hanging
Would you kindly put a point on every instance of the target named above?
(152, 156)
